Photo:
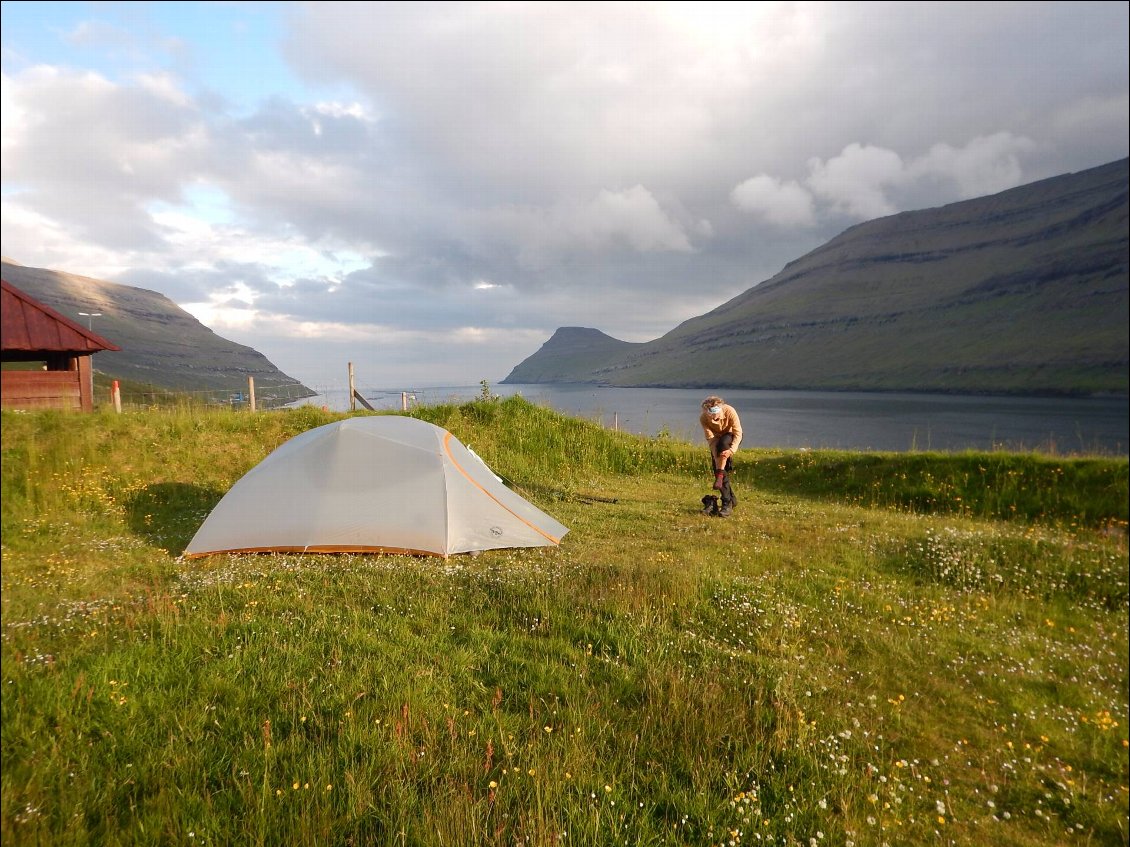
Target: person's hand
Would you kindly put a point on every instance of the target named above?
(725, 454)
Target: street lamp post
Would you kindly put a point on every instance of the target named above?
(90, 316)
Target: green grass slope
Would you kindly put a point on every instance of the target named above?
(911, 649)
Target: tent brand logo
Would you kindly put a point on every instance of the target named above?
(496, 531)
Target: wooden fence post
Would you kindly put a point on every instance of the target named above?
(251, 391)
(116, 396)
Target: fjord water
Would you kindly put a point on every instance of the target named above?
(896, 422)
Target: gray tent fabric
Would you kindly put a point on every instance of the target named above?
(387, 483)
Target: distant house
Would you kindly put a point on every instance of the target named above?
(46, 357)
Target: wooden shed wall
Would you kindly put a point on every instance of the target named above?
(70, 390)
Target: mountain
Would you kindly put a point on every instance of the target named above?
(1025, 291)
(570, 350)
(162, 345)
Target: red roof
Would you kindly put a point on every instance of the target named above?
(29, 325)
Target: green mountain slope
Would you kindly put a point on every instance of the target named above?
(569, 351)
(1025, 291)
(162, 345)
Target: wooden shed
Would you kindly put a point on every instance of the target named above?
(55, 370)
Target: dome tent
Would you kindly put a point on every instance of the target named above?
(386, 483)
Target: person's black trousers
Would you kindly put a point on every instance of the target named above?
(723, 443)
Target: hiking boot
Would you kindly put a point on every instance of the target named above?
(725, 511)
(710, 505)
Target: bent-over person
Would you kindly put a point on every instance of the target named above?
(723, 430)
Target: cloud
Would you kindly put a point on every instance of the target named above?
(88, 153)
(855, 182)
(629, 220)
(624, 166)
(985, 165)
(780, 203)
(865, 182)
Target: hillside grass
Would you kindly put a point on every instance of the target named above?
(875, 649)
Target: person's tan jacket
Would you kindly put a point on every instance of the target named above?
(727, 422)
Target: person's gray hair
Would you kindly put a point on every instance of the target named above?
(712, 400)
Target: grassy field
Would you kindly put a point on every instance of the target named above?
(902, 649)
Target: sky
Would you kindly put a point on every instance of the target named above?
(429, 190)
